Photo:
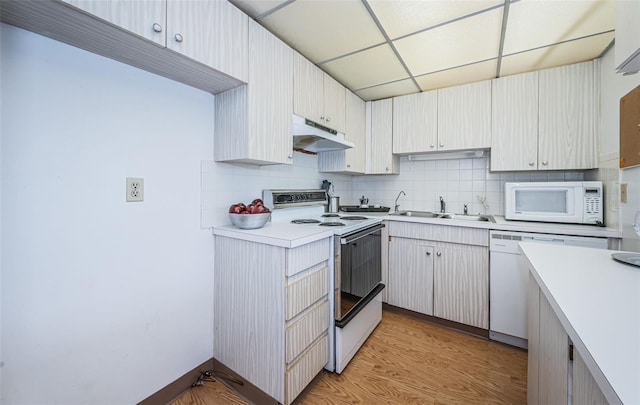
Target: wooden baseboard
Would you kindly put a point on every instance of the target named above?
(173, 390)
(222, 373)
(242, 387)
(471, 330)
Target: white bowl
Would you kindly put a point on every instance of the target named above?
(249, 221)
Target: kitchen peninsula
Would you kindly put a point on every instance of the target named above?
(593, 300)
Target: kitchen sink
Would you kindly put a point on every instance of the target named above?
(446, 215)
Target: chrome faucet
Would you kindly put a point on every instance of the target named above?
(396, 203)
(442, 205)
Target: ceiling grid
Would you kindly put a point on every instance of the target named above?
(386, 48)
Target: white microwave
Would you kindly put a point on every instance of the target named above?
(577, 202)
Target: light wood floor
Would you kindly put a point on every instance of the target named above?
(409, 361)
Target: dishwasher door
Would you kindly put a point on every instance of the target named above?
(508, 288)
(509, 278)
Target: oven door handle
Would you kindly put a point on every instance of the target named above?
(359, 235)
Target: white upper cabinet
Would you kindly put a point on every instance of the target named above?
(546, 120)
(568, 117)
(464, 117)
(144, 18)
(350, 160)
(334, 104)
(212, 32)
(317, 96)
(415, 123)
(253, 123)
(627, 56)
(514, 143)
(381, 160)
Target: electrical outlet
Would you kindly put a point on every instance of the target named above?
(135, 189)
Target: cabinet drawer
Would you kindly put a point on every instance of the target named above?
(303, 332)
(307, 290)
(306, 368)
(305, 256)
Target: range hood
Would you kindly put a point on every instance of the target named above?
(314, 137)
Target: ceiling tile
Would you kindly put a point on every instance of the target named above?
(367, 68)
(466, 41)
(399, 88)
(453, 77)
(536, 23)
(563, 54)
(403, 17)
(323, 30)
(255, 8)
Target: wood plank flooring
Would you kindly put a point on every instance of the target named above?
(409, 361)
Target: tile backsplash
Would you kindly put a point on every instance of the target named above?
(458, 181)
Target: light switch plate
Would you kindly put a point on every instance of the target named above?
(135, 189)
(623, 192)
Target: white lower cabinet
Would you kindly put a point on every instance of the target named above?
(551, 365)
(271, 313)
(440, 270)
(410, 283)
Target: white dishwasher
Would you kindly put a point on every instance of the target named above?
(509, 278)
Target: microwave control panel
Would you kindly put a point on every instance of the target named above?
(592, 200)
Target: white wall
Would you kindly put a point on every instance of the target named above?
(613, 87)
(102, 301)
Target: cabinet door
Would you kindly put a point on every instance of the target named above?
(212, 32)
(464, 117)
(411, 275)
(514, 109)
(270, 78)
(146, 18)
(415, 123)
(584, 387)
(308, 89)
(381, 160)
(533, 345)
(461, 285)
(553, 357)
(334, 104)
(566, 138)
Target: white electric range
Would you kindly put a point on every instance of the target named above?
(357, 300)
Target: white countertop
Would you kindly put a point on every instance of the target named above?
(518, 226)
(598, 303)
(281, 234)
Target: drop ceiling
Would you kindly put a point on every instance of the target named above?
(385, 48)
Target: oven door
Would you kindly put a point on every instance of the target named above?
(358, 272)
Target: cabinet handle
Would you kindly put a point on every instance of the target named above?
(544, 163)
(348, 165)
(328, 119)
(531, 164)
(178, 38)
(157, 27)
(428, 253)
(431, 146)
(322, 118)
(438, 253)
(290, 156)
(386, 168)
(442, 145)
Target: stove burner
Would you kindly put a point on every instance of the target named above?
(332, 224)
(305, 221)
(330, 215)
(354, 218)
